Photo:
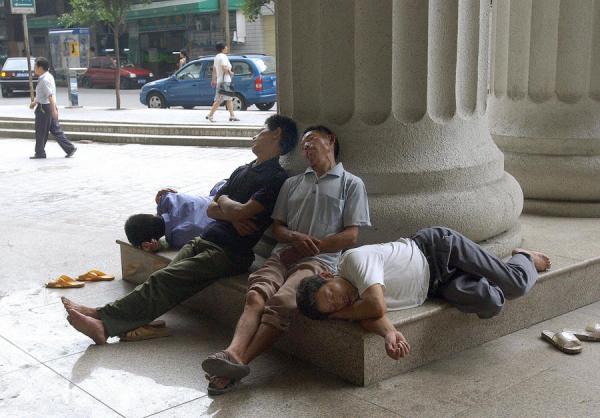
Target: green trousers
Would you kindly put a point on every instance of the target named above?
(198, 264)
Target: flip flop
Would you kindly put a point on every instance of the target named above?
(95, 276)
(156, 329)
(215, 391)
(63, 282)
(591, 333)
(222, 364)
(564, 341)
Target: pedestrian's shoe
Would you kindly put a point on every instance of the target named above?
(70, 153)
(233, 119)
(37, 157)
(210, 118)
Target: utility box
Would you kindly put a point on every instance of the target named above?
(69, 48)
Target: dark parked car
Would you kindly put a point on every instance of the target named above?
(14, 76)
(254, 79)
(102, 70)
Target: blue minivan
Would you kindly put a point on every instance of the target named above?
(254, 80)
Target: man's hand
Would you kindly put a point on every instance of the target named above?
(161, 193)
(55, 112)
(213, 83)
(306, 245)
(396, 345)
(289, 256)
(245, 227)
(150, 246)
(32, 104)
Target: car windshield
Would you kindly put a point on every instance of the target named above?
(266, 65)
(19, 64)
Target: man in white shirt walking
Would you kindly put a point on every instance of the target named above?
(221, 80)
(46, 112)
(436, 262)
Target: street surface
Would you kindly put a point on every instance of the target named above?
(101, 97)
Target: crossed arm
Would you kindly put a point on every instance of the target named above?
(370, 311)
(238, 214)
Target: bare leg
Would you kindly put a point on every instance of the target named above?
(93, 328)
(263, 340)
(69, 304)
(540, 260)
(247, 325)
(229, 105)
(214, 106)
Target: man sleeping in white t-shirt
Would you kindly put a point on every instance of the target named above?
(440, 262)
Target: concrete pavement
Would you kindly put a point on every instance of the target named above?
(61, 216)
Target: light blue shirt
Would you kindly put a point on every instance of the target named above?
(185, 217)
(322, 206)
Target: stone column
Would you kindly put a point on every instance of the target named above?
(404, 85)
(545, 101)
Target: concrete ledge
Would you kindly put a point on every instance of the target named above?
(435, 330)
(117, 138)
(578, 209)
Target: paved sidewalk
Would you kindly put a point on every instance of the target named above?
(172, 116)
(61, 216)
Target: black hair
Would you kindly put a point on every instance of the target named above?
(289, 131)
(325, 130)
(144, 227)
(43, 63)
(306, 297)
(220, 46)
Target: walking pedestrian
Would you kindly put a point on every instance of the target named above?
(183, 59)
(221, 81)
(46, 112)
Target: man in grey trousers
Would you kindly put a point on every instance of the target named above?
(46, 112)
(436, 262)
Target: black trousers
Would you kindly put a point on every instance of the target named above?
(45, 124)
(469, 277)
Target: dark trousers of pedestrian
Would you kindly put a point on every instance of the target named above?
(45, 124)
(197, 265)
(469, 277)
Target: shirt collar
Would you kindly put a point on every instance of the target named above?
(336, 171)
(269, 164)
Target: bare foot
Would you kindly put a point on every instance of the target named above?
(91, 327)
(540, 260)
(69, 304)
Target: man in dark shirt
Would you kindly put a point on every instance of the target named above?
(242, 211)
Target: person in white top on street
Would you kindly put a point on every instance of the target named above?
(221, 80)
(436, 262)
(46, 112)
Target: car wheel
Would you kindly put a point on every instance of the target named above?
(265, 106)
(188, 107)
(239, 103)
(156, 101)
(4, 92)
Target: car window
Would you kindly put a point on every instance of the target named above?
(190, 72)
(17, 64)
(108, 63)
(241, 68)
(208, 69)
(265, 65)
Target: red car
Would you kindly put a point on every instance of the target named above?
(101, 73)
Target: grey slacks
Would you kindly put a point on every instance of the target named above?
(44, 124)
(469, 277)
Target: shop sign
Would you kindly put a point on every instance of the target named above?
(22, 6)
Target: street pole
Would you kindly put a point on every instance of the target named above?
(28, 53)
(224, 10)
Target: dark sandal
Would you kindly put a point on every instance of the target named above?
(222, 364)
(215, 391)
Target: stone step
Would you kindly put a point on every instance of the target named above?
(434, 330)
(242, 131)
(146, 139)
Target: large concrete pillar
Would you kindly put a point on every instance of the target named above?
(404, 84)
(545, 102)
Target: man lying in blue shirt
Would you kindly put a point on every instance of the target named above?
(179, 218)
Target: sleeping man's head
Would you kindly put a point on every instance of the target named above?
(144, 230)
(319, 296)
